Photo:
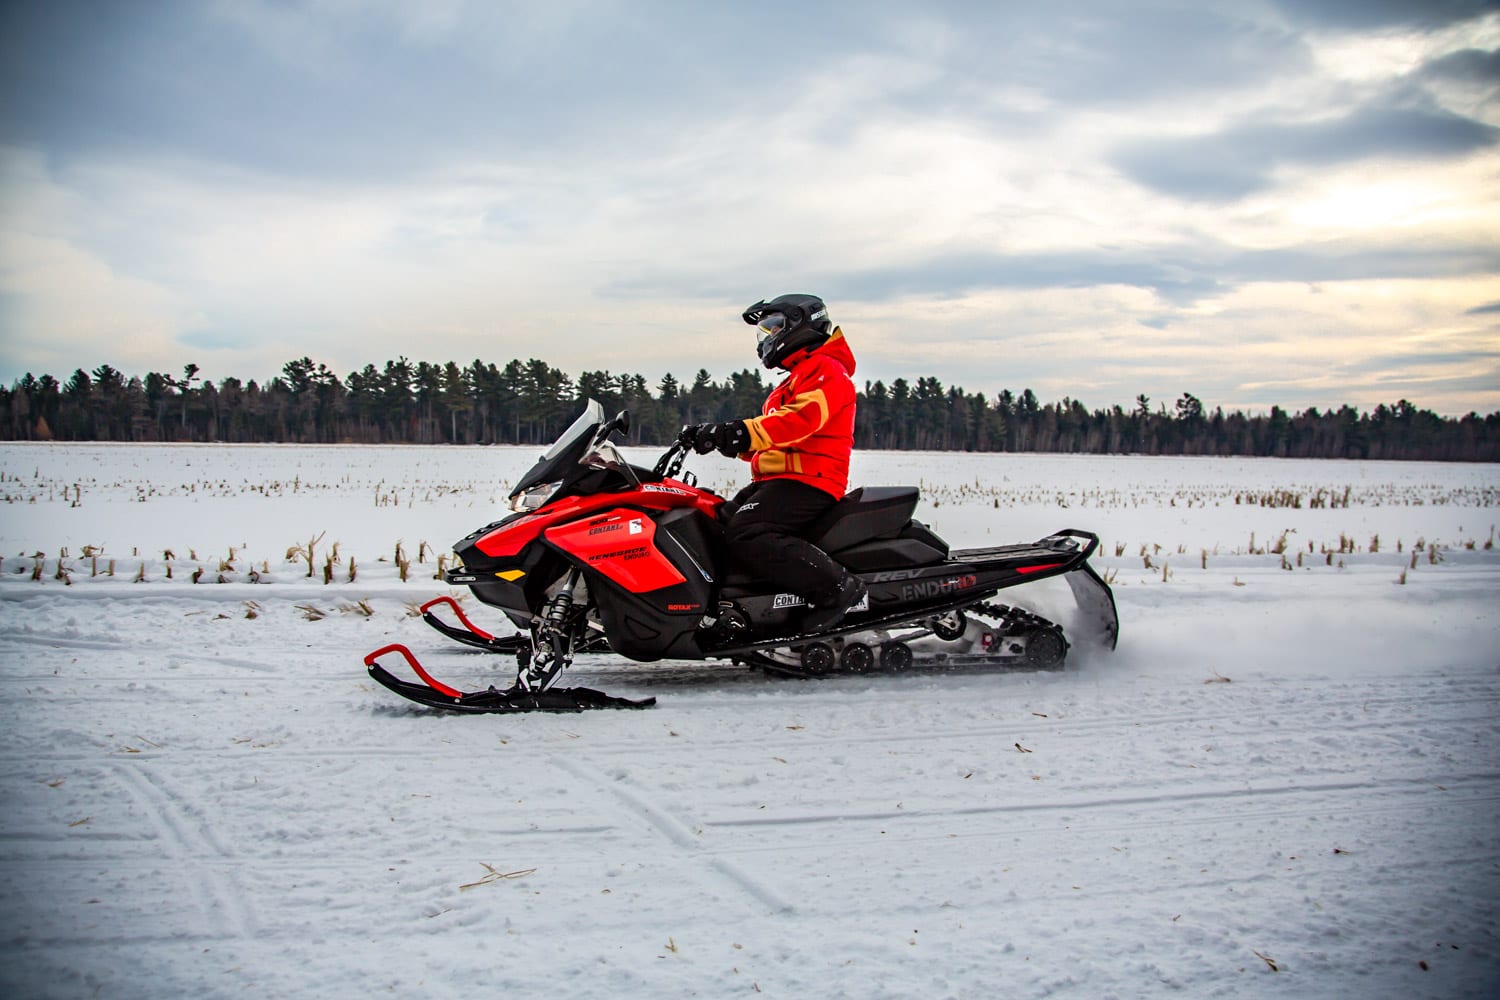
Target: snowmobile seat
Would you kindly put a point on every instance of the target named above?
(865, 513)
(871, 528)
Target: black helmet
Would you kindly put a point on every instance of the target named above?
(788, 324)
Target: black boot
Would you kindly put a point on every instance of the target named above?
(827, 613)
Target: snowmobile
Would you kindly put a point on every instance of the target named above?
(602, 555)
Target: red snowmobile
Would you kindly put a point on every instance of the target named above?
(601, 555)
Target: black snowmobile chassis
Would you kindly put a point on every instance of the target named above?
(1095, 600)
(1018, 638)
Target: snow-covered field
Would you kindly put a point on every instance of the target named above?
(1286, 781)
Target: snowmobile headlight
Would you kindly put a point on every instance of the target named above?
(534, 497)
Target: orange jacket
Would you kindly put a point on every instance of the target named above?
(806, 429)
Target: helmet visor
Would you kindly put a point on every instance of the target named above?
(769, 326)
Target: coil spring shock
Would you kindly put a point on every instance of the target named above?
(558, 608)
(552, 642)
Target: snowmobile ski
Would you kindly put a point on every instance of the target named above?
(435, 694)
(470, 634)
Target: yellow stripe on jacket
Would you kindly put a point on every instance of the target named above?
(796, 420)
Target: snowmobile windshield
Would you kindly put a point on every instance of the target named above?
(561, 460)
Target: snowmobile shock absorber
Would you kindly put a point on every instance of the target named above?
(561, 603)
(553, 639)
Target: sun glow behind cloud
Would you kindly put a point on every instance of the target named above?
(1374, 57)
(1395, 197)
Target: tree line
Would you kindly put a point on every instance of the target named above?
(530, 402)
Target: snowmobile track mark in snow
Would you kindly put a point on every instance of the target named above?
(192, 843)
(61, 642)
(679, 833)
(1330, 798)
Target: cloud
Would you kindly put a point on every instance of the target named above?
(1366, 14)
(373, 92)
(1475, 66)
(55, 293)
(1180, 273)
(1245, 158)
(1091, 55)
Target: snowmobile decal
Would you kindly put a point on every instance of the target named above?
(937, 588)
(898, 574)
(784, 601)
(633, 561)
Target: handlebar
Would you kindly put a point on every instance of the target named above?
(669, 466)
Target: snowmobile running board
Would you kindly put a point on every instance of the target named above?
(435, 694)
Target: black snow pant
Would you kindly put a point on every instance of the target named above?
(764, 536)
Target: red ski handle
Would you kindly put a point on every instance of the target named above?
(411, 661)
(426, 609)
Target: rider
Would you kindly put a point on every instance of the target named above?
(798, 450)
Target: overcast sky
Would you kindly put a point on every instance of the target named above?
(1291, 202)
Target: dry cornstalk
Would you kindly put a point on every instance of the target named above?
(495, 875)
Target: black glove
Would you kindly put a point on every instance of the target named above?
(699, 437)
(731, 439)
